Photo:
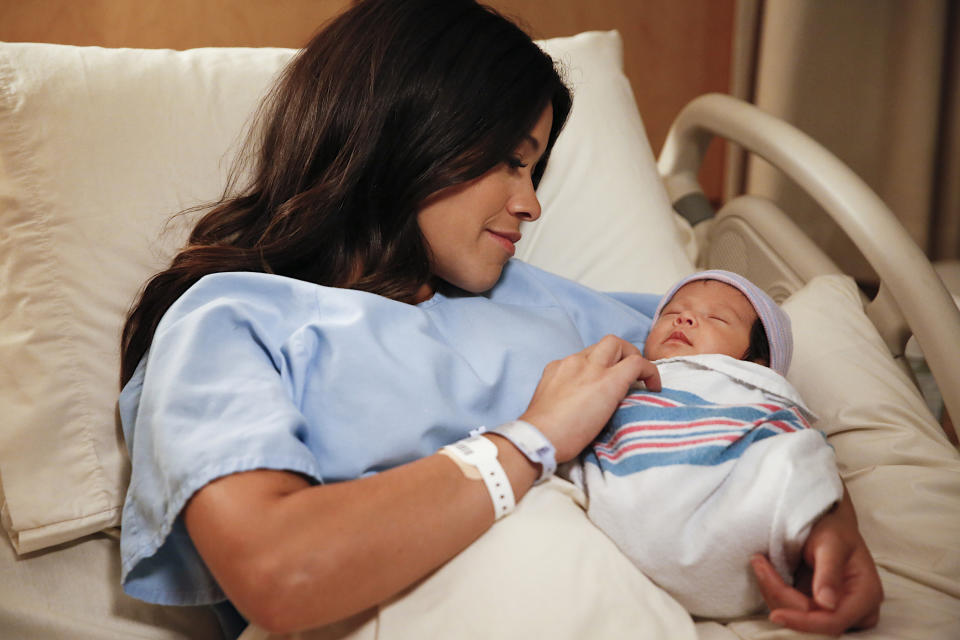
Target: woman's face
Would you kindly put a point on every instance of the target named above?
(703, 316)
(472, 228)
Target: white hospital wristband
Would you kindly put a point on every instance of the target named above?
(532, 444)
(481, 453)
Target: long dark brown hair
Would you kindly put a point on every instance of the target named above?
(389, 103)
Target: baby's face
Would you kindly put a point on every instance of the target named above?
(704, 316)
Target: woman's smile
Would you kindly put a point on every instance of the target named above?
(506, 239)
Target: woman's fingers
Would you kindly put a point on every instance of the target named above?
(776, 593)
(853, 603)
(829, 560)
(649, 373)
(818, 621)
(610, 350)
(613, 351)
(788, 607)
(847, 616)
(860, 591)
(845, 585)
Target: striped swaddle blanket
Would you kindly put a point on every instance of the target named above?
(691, 481)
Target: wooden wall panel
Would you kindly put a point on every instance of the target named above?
(674, 50)
(173, 24)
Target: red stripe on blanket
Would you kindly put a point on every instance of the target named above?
(661, 445)
(672, 426)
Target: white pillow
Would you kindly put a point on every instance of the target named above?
(543, 572)
(607, 221)
(98, 147)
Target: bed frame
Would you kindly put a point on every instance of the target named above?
(754, 237)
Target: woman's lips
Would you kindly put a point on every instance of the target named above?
(506, 239)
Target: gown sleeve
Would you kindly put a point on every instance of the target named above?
(211, 398)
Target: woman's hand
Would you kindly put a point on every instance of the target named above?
(577, 395)
(845, 586)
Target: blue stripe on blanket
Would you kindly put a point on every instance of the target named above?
(677, 427)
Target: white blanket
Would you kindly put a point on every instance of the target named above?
(691, 481)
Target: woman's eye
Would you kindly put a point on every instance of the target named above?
(516, 163)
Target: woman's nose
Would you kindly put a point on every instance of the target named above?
(524, 204)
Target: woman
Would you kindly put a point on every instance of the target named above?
(353, 310)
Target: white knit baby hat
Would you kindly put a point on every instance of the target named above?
(775, 322)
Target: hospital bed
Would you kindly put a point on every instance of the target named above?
(98, 147)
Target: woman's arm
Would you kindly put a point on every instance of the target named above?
(292, 556)
(845, 587)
